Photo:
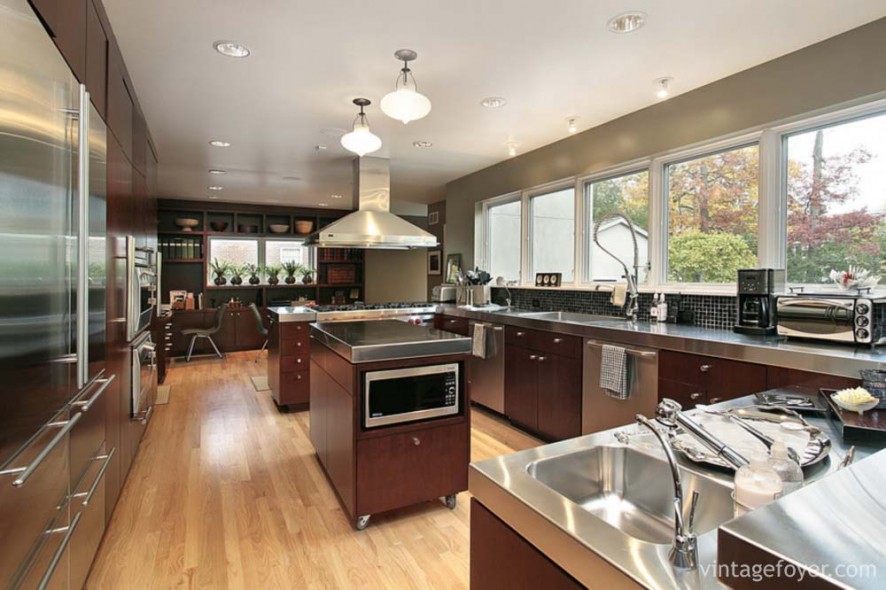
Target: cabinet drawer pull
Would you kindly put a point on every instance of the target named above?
(57, 556)
(715, 400)
(705, 368)
(86, 404)
(298, 360)
(98, 478)
(24, 473)
(416, 441)
(694, 395)
(298, 344)
(558, 340)
(532, 357)
(541, 359)
(520, 334)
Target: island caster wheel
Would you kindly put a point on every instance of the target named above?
(362, 522)
(451, 501)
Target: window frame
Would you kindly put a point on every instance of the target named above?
(262, 250)
(771, 140)
(527, 274)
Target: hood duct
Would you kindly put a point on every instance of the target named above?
(372, 225)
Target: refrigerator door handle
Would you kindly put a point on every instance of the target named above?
(83, 241)
(85, 405)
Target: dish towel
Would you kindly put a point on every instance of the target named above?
(614, 372)
(619, 295)
(479, 342)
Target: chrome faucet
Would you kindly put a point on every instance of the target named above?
(632, 305)
(670, 414)
(684, 551)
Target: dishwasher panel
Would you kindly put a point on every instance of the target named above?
(601, 412)
(488, 375)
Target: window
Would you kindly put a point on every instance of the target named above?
(712, 215)
(628, 193)
(552, 233)
(504, 232)
(835, 183)
(260, 251)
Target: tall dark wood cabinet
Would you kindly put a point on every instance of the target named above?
(66, 22)
(96, 60)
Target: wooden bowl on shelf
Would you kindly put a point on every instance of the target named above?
(304, 227)
(278, 228)
(218, 225)
(245, 228)
(187, 223)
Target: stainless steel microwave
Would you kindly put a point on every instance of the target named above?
(846, 319)
(395, 396)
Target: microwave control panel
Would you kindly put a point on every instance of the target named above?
(451, 386)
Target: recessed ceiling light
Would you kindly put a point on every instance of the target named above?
(231, 48)
(493, 102)
(335, 196)
(215, 171)
(422, 144)
(216, 188)
(662, 87)
(219, 143)
(571, 127)
(333, 131)
(512, 148)
(323, 204)
(626, 22)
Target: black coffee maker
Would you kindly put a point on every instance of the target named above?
(757, 288)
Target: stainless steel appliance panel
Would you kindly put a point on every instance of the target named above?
(601, 412)
(488, 375)
(88, 501)
(144, 377)
(141, 295)
(95, 250)
(396, 396)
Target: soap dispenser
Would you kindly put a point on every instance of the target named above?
(756, 484)
(788, 470)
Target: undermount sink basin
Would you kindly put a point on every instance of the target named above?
(560, 316)
(632, 491)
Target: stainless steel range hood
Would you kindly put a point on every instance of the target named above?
(372, 225)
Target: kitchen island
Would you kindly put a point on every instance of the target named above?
(390, 413)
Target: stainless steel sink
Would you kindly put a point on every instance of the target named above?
(632, 491)
(562, 316)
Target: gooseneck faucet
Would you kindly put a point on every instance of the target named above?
(684, 551)
(632, 306)
(670, 414)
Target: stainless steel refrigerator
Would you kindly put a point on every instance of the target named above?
(52, 312)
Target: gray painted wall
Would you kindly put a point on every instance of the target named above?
(844, 68)
(439, 230)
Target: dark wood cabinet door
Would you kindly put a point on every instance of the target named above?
(139, 208)
(66, 20)
(248, 336)
(521, 390)
(226, 337)
(455, 325)
(119, 101)
(139, 141)
(559, 396)
(96, 60)
(731, 379)
(688, 395)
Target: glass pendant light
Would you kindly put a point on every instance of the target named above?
(405, 103)
(361, 140)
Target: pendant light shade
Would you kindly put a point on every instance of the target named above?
(405, 103)
(361, 140)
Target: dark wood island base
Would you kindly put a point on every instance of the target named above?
(379, 469)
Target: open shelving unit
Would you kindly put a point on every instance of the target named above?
(339, 274)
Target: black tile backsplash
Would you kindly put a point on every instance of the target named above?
(709, 311)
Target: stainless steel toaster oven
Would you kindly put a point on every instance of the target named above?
(848, 319)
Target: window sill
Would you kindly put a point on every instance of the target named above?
(713, 290)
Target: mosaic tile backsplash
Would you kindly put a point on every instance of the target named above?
(709, 311)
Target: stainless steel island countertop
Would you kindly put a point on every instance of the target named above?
(385, 340)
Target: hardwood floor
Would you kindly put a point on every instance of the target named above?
(226, 493)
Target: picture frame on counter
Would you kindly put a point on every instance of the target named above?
(453, 265)
(434, 260)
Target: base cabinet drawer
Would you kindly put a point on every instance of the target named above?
(295, 388)
(456, 325)
(407, 468)
(291, 364)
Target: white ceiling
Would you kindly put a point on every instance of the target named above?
(309, 59)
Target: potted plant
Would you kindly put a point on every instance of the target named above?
(290, 268)
(237, 271)
(273, 271)
(307, 275)
(254, 271)
(220, 269)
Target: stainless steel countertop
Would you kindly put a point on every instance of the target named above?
(386, 340)
(292, 314)
(832, 359)
(596, 554)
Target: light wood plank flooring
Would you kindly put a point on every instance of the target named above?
(226, 493)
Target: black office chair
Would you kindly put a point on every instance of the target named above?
(260, 325)
(207, 333)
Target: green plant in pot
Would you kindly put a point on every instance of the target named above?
(220, 269)
(237, 272)
(254, 271)
(273, 271)
(291, 269)
(306, 274)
